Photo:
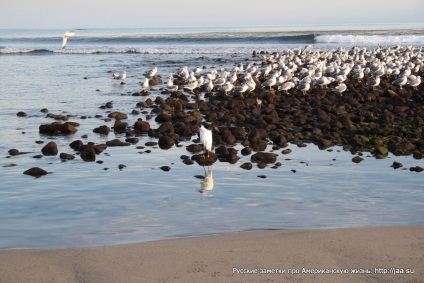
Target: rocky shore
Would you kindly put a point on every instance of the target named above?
(349, 98)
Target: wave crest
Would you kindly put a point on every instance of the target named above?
(369, 39)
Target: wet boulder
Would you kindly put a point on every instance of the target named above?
(87, 152)
(266, 157)
(57, 128)
(36, 172)
(50, 149)
(104, 130)
(142, 126)
(118, 115)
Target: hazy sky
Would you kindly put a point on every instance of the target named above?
(201, 13)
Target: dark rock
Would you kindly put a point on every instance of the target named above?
(121, 166)
(142, 126)
(404, 148)
(36, 172)
(188, 162)
(280, 140)
(418, 169)
(87, 152)
(57, 117)
(195, 148)
(163, 117)
(50, 149)
(286, 151)
(205, 160)
(262, 176)
(222, 151)
(261, 165)
(166, 128)
(75, 145)
(104, 130)
(396, 165)
(119, 126)
(117, 142)
(265, 157)
(151, 143)
(57, 128)
(165, 168)
(246, 166)
(259, 145)
(118, 115)
(14, 152)
(166, 142)
(324, 143)
(257, 134)
(9, 165)
(132, 140)
(357, 159)
(246, 151)
(66, 156)
(21, 114)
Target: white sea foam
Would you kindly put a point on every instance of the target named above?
(369, 39)
(11, 51)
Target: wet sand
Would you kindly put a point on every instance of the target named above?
(325, 255)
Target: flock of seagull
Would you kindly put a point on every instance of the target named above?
(303, 69)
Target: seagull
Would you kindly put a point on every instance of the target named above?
(242, 88)
(227, 87)
(69, 33)
(304, 87)
(121, 76)
(206, 138)
(400, 81)
(220, 82)
(322, 81)
(209, 86)
(269, 82)
(415, 82)
(340, 88)
(286, 86)
(145, 85)
(191, 86)
(149, 74)
(374, 82)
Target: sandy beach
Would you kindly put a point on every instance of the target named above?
(325, 255)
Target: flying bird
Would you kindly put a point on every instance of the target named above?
(69, 33)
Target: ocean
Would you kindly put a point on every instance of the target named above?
(96, 203)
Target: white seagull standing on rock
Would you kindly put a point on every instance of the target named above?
(340, 88)
(374, 82)
(400, 81)
(145, 85)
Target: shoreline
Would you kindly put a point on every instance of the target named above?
(330, 255)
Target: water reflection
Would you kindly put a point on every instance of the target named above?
(207, 183)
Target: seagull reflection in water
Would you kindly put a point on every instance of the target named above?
(206, 184)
